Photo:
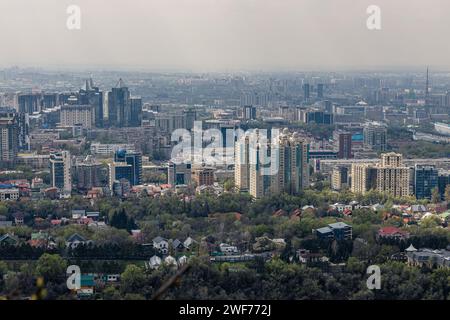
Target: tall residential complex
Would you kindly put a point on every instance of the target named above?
(363, 177)
(339, 178)
(203, 176)
(388, 176)
(9, 135)
(375, 136)
(134, 159)
(343, 144)
(119, 171)
(60, 172)
(72, 115)
(392, 176)
(91, 95)
(123, 110)
(179, 174)
(249, 113)
(265, 167)
(88, 173)
(134, 116)
(242, 164)
(425, 180)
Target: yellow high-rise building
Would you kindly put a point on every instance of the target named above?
(266, 167)
(389, 176)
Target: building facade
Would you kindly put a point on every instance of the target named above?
(61, 172)
(9, 136)
(72, 115)
(425, 180)
(375, 136)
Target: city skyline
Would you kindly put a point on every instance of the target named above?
(229, 150)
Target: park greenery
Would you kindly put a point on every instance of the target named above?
(229, 218)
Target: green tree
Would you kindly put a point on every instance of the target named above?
(3, 210)
(111, 293)
(51, 266)
(435, 195)
(132, 279)
(447, 193)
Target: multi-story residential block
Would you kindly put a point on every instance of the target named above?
(242, 164)
(363, 177)
(134, 159)
(335, 231)
(343, 144)
(88, 173)
(109, 149)
(249, 112)
(9, 193)
(179, 174)
(375, 136)
(270, 166)
(72, 115)
(203, 176)
(388, 176)
(60, 172)
(9, 135)
(425, 180)
(340, 178)
(392, 176)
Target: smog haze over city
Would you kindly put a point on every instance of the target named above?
(225, 35)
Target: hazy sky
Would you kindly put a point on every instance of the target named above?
(221, 35)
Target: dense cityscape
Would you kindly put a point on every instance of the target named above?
(238, 184)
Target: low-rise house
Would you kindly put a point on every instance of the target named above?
(85, 221)
(338, 231)
(182, 260)
(97, 224)
(417, 208)
(94, 193)
(428, 257)
(111, 277)
(189, 243)
(392, 233)
(305, 257)
(93, 215)
(339, 207)
(178, 245)
(78, 214)
(161, 244)
(9, 194)
(228, 249)
(39, 239)
(155, 262)
(170, 261)
(18, 219)
(76, 240)
(5, 223)
(138, 236)
(56, 222)
(9, 239)
(87, 286)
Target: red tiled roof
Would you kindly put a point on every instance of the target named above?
(390, 231)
